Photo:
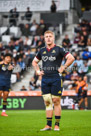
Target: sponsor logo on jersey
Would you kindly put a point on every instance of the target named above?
(45, 58)
(52, 58)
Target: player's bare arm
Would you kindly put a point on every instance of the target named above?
(36, 67)
(1, 62)
(69, 61)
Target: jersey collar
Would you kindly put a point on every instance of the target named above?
(50, 48)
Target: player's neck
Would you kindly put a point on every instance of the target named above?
(50, 46)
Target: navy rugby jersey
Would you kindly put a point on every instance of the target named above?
(51, 59)
(5, 75)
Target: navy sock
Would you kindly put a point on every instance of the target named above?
(57, 120)
(49, 121)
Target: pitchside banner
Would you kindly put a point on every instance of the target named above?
(35, 5)
(36, 102)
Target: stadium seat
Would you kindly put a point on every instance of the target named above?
(2, 30)
(89, 48)
(13, 78)
(14, 31)
(6, 39)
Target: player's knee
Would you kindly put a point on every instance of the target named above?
(48, 101)
(56, 100)
(5, 97)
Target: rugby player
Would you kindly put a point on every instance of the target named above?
(51, 56)
(5, 74)
(84, 88)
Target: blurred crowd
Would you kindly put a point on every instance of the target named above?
(24, 48)
(80, 47)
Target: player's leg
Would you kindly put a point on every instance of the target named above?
(86, 103)
(80, 102)
(49, 110)
(56, 91)
(57, 110)
(5, 96)
(48, 105)
(1, 94)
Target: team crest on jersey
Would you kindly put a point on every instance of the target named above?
(44, 52)
(53, 51)
(3, 68)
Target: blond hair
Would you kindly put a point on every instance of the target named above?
(48, 31)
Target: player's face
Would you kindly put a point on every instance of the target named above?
(8, 59)
(49, 39)
(80, 79)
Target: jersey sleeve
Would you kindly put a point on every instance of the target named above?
(63, 52)
(38, 55)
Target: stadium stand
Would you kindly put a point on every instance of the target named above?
(24, 38)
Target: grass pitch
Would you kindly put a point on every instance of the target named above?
(29, 123)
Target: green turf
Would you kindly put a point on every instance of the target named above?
(29, 123)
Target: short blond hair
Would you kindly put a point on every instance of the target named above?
(48, 31)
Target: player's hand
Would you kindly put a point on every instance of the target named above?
(1, 62)
(61, 70)
(10, 67)
(40, 73)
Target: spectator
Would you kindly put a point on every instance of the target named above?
(89, 68)
(10, 46)
(89, 62)
(30, 56)
(26, 30)
(86, 54)
(79, 62)
(77, 38)
(33, 81)
(78, 28)
(85, 37)
(74, 75)
(1, 47)
(23, 88)
(39, 30)
(35, 42)
(89, 42)
(27, 41)
(14, 53)
(75, 67)
(22, 65)
(81, 43)
(17, 69)
(85, 69)
(33, 28)
(42, 26)
(53, 7)
(13, 17)
(25, 60)
(1, 56)
(28, 14)
(66, 42)
(41, 42)
(68, 76)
